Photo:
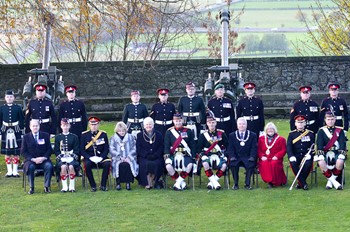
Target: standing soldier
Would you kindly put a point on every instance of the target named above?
(223, 110)
(42, 110)
(211, 146)
(94, 148)
(299, 142)
(337, 105)
(74, 110)
(307, 107)
(134, 114)
(12, 125)
(192, 109)
(331, 151)
(162, 112)
(179, 150)
(252, 109)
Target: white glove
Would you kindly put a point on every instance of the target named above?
(341, 156)
(263, 158)
(307, 157)
(96, 159)
(292, 159)
(320, 157)
(168, 161)
(204, 157)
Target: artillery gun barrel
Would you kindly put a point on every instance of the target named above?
(225, 20)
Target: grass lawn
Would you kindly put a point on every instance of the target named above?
(261, 209)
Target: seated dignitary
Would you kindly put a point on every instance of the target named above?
(271, 150)
(299, 143)
(11, 124)
(179, 145)
(94, 148)
(150, 147)
(66, 150)
(331, 151)
(211, 146)
(134, 113)
(242, 151)
(36, 149)
(123, 153)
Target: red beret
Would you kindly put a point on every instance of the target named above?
(249, 85)
(65, 121)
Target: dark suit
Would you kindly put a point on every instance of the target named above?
(32, 149)
(242, 155)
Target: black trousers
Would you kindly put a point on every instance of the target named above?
(305, 171)
(104, 166)
(48, 171)
(248, 173)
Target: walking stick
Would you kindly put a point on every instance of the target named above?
(301, 166)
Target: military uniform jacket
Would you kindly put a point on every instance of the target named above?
(252, 109)
(340, 111)
(322, 139)
(162, 114)
(188, 105)
(224, 113)
(75, 111)
(237, 152)
(186, 134)
(69, 142)
(42, 110)
(101, 145)
(203, 143)
(11, 117)
(301, 146)
(310, 110)
(133, 116)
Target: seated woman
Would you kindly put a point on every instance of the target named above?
(149, 147)
(123, 151)
(271, 150)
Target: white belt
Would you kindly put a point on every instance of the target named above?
(10, 123)
(46, 120)
(339, 117)
(159, 122)
(251, 118)
(136, 120)
(75, 120)
(310, 122)
(67, 152)
(223, 119)
(190, 114)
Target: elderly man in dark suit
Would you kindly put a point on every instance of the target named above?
(36, 149)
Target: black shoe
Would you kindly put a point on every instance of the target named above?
(340, 187)
(31, 191)
(118, 187)
(80, 174)
(8, 175)
(235, 187)
(63, 191)
(247, 187)
(47, 190)
(16, 176)
(298, 186)
(72, 190)
(93, 189)
(103, 188)
(128, 186)
(306, 187)
(269, 186)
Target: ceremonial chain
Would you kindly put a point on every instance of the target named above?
(269, 147)
(242, 141)
(151, 139)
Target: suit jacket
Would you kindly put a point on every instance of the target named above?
(32, 149)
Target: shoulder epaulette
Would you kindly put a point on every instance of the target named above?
(171, 128)
(85, 131)
(293, 131)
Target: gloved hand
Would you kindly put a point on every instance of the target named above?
(307, 156)
(341, 156)
(168, 161)
(204, 158)
(233, 159)
(292, 159)
(263, 158)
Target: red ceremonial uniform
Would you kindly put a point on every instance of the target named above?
(271, 171)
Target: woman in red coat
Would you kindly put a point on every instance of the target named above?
(271, 150)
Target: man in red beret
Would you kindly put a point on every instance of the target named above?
(337, 105)
(307, 107)
(252, 109)
(162, 112)
(41, 109)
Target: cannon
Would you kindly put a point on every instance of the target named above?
(227, 74)
(48, 75)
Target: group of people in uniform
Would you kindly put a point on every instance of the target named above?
(179, 140)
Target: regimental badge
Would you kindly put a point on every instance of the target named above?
(305, 139)
(226, 105)
(184, 134)
(313, 109)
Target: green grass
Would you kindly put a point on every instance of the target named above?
(261, 209)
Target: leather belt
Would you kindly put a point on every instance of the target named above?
(190, 114)
(10, 123)
(251, 118)
(136, 120)
(339, 117)
(75, 120)
(164, 123)
(310, 122)
(223, 119)
(45, 120)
